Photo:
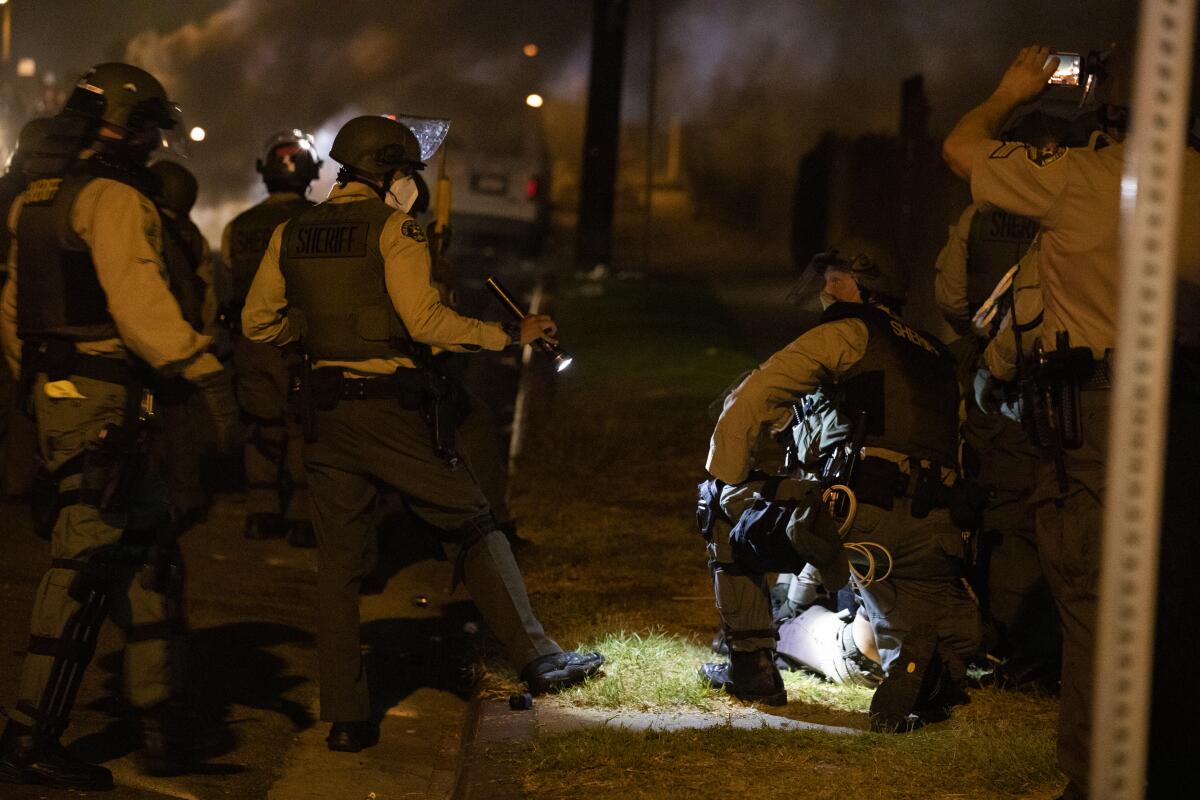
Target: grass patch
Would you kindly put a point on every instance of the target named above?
(976, 755)
(647, 672)
(606, 491)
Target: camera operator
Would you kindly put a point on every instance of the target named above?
(1075, 194)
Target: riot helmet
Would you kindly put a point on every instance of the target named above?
(375, 146)
(177, 187)
(128, 100)
(32, 139)
(874, 267)
(290, 161)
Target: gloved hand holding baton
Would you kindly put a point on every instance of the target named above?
(533, 326)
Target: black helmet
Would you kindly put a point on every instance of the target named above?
(124, 96)
(873, 266)
(31, 139)
(376, 146)
(290, 157)
(177, 186)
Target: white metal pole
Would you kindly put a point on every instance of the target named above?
(1150, 191)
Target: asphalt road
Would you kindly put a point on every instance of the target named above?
(252, 657)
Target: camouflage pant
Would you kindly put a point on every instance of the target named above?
(922, 590)
(149, 619)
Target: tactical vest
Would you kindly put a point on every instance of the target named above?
(995, 242)
(58, 293)
(183, 252)
(250, 233)
(905, 384)
(11, 185)
(336, 292)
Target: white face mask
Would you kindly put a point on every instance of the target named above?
(402, 193)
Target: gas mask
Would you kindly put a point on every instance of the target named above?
(402, 193)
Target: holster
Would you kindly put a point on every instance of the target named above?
(1050, 387)
(708, 506)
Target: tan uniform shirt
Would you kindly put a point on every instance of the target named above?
(1074, 193)
(950, 283)
(821, 355)
(122, 229)
(407, 277)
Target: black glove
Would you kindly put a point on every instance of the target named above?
(217, 390)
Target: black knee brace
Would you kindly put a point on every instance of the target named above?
(466, 536)
(73, 649)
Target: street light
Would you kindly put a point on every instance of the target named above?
(534, 101)
(197, 134)
(530, 50)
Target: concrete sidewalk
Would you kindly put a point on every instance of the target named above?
(493, 728)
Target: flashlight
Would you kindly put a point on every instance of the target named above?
(561, 359)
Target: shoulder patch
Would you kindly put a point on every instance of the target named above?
(1045, 156)
(1006, 149)
(412, 230)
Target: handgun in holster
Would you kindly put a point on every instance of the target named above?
(440, 414)
(302, 390)
(115, 466)
(839, 466)
(1050, 396)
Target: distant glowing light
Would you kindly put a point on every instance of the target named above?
(26, 68)
(530, 50)
(534, 101)
(197, 134)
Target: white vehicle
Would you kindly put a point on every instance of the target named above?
(498, 165)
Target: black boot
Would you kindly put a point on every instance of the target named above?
(351, 737)
(175, 739)
(559, 670)
(265, 526)
(26, 758)
(894, 706)
(752, 677)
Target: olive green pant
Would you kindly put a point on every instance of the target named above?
(1069, 530)
(66, 427)
(923, 589)
(363, 445)
(275, 478)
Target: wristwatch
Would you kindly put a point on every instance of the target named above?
(513, 329)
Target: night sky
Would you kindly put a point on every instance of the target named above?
(246, 68)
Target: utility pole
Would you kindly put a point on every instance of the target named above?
(651, 107)
(602, 135)
(6, 34)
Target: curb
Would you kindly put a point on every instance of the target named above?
(490, 722)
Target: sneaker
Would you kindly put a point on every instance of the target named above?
(557, 671)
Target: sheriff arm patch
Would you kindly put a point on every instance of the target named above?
(412, 230)
(1045, 156)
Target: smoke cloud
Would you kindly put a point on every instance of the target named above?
(755, 83)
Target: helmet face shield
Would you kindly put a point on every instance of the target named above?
(174, 132)
(430, 132)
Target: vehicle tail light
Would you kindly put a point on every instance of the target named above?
(533, 188)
